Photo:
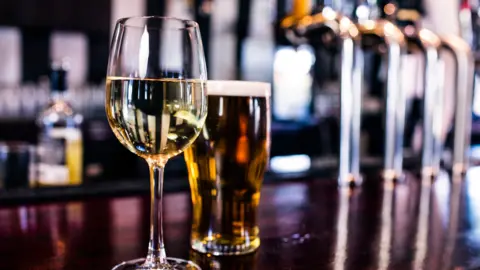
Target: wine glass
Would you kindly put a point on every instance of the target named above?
(156, 105)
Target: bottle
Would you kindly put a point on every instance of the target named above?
(60, 145)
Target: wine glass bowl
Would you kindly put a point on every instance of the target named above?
(156, 105)
(155, 119)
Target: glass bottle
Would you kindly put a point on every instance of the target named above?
(60, 146)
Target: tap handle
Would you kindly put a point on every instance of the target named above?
(462, 121)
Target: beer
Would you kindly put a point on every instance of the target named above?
(226, 165)
(208, 262)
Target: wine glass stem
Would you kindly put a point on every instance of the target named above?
(156, 249)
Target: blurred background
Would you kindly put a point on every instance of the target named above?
(242, 40)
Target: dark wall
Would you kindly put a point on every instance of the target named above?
(36, 19)
(84, 15)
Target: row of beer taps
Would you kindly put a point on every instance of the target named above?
(381, 50)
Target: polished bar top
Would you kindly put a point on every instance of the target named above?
(304, 225)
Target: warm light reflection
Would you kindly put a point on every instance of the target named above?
(390, 175)
(453, 219)
(408, 15)
(386, 226)
(389, 9)
(318, 18)
(442, 192)
(369, 25)
(458, 169)
(421, 243)
(345, 24)
(342, 229)
(329, 13)
(55, 216)
(428, 35)
(242, 153)
(288, 22)
(353, 31)
(75, 214)
(389, 29)
(125, 214)
(305, 21)
(300, 8)
(458, 43)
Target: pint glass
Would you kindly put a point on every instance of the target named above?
(226, 165)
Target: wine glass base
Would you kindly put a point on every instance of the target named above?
(174, 264)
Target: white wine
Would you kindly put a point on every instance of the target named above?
(155, 118)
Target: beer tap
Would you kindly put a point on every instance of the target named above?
(383, 45)
(423, 54)
(335, 39)
(369, 84)
(465, 74)
(462, 119)
(436, 127)
(459, 75)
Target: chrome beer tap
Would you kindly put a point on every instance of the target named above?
(336, 37)
(383, 45)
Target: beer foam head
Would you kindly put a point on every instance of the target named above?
(238, 88)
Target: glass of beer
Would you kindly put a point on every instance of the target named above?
(226, 165)
(208, 262)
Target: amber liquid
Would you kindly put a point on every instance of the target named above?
(155, 118)
(208, 262)
(54, 172)
(226, 165)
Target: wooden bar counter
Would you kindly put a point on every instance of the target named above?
(309, 224)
